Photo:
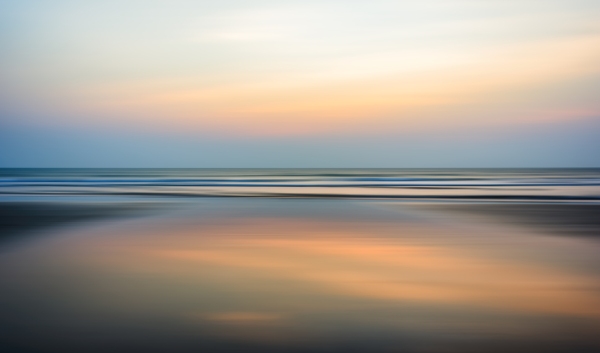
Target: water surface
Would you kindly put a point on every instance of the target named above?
(285, 274)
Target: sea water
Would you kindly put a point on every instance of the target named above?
(411, 184)
(300, 261)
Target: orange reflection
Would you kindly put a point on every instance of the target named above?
(243, 317)
(344, 261)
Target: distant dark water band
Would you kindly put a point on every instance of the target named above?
(383, 184)
(432, 197)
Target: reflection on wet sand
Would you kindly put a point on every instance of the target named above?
(350, 263)
(300, 282)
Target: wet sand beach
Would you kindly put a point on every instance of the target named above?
(17, 218)
(575, 219)
(296, 275)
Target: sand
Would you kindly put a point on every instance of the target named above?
(22, 217)
(558, 219)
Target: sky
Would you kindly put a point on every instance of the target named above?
(300, 83)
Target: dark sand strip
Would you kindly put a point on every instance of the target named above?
(562, 219)
(20, 217)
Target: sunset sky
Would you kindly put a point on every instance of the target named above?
(182, 83)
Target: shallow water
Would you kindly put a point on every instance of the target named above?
(562, 185)
(312, 274)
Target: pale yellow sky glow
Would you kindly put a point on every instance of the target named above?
(267, 69)
(309, 102)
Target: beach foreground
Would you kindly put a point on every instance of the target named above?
(295, 275)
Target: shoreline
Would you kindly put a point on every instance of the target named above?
(565, 218)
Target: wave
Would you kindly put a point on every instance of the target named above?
(422, 184)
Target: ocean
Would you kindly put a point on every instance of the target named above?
(555, 185)
(299, 260)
